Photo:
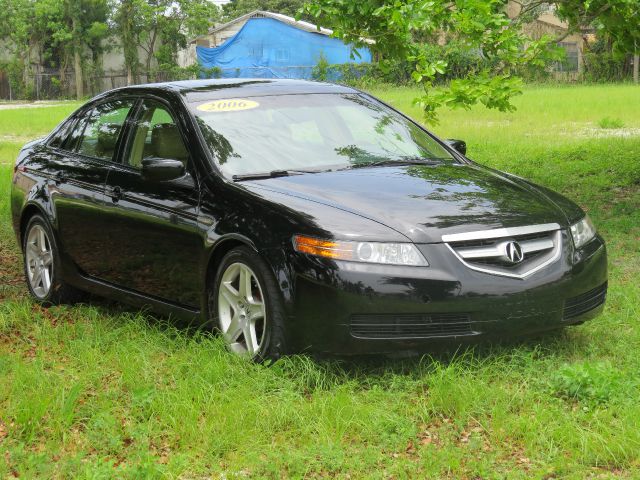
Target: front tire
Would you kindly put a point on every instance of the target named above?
(42, 268)
(246, 306)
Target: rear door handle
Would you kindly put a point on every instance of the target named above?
(115, 193)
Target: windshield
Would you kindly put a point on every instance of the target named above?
(310, 133)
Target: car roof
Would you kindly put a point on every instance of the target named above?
(211, 89)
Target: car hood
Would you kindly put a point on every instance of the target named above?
(424, 202)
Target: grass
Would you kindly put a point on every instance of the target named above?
(608, 122)
(98, 391)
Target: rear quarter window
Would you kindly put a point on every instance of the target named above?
(60, 136)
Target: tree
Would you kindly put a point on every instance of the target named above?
(16, 31)
(158, 28)
(237, 8)
(400, 31)
(128, 27)
(54, 30)
(618, 20)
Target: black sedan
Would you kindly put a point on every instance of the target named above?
(292, 215)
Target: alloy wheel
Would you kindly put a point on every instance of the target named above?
(241, 310)
(39, 261)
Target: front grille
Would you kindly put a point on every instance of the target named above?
(411, 326)
(576, 306)
(488, 250)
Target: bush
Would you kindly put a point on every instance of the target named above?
(15, 73)
(587, 382)
(320, 71)
(601, 64)
(173, 72)
(608, 122)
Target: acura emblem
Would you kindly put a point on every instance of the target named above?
(513, 252)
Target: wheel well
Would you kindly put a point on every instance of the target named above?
(27, 213)
(220, 251)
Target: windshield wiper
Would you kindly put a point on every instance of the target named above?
(271, 174)
(401, 161)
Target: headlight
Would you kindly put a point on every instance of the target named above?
(368, 252)
(582, 232)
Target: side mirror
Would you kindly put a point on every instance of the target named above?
(459, 146)
(159, 169)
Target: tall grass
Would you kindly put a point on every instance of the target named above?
(101, 391)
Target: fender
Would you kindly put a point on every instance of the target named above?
(217, 245)
(29, 199)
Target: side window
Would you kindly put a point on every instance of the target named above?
(102, 129)
(156, 135)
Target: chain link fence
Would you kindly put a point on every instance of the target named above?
(54, 86)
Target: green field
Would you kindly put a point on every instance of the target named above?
(99, 391)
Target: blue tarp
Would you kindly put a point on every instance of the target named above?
(268, 48)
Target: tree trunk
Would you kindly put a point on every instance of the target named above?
(77, 66)
(636, 61)
(150, 78)
(152, 46)
(77, 62)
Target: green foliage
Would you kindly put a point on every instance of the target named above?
(608, 122)
(16, 71)
(186, 73)
(160, 28)
(320, 71)
(128, 29)
(102, 391)
(406, 30)
(603, 63)
(587, 382)
(54, 30)
(615, 19)
(237, 8)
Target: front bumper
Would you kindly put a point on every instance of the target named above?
(354, 308)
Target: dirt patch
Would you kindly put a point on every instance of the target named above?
(609, 132)
(39, 104)
(11, 272)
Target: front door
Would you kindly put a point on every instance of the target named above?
(154, 223)
(80, 163)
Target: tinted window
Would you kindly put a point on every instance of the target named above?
(60, 136)
(315, 131)
(102, 129)
(76, 133)
(157, 135)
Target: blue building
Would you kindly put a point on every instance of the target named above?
(270, 45)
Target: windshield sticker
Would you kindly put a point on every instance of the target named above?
(228, 105)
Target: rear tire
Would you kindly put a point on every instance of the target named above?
(42, 266)
(246, 306)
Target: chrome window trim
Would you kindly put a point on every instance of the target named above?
(500, 232)
(521, 276)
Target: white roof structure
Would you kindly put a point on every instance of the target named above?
(309, 27)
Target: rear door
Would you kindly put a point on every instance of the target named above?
(79, 164)
(154, 223)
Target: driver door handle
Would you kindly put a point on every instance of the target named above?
(115, 193)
